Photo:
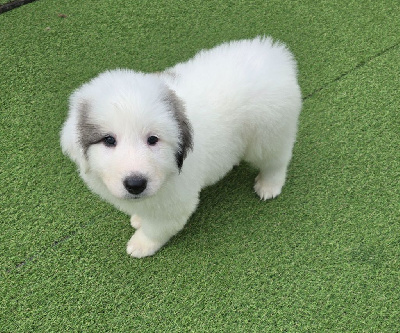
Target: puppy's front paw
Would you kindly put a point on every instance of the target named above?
(136, 221)
(140, 245)
(265, 189)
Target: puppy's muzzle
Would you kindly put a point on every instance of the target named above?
(135, 184)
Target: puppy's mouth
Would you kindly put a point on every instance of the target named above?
(129, 196)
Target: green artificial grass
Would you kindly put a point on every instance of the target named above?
(324, 256)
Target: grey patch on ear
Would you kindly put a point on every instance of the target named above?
(89, 133)
(185, 129)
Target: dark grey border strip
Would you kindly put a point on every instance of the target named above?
(13, 4)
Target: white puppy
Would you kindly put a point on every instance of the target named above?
(148, 143)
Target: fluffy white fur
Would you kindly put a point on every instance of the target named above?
(237, 101)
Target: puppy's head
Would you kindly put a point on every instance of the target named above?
(128, 131)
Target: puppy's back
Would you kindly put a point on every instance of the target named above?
(233, 73)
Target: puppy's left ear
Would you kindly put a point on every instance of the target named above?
(185, 129)
(70, 137)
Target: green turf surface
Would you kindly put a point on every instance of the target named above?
(324, 256)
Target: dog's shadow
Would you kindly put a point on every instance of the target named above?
(219, 202)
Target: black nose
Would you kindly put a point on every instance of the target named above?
(135, 184)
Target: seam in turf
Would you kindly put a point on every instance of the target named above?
(33, 258)
(355, 68)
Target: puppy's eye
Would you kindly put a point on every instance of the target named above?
(109, 141)
(152, 140)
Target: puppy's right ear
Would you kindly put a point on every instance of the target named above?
(70, 140)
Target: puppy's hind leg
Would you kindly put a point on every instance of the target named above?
(273, 166)
(270, 180)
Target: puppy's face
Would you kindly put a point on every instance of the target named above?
(129, 131)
